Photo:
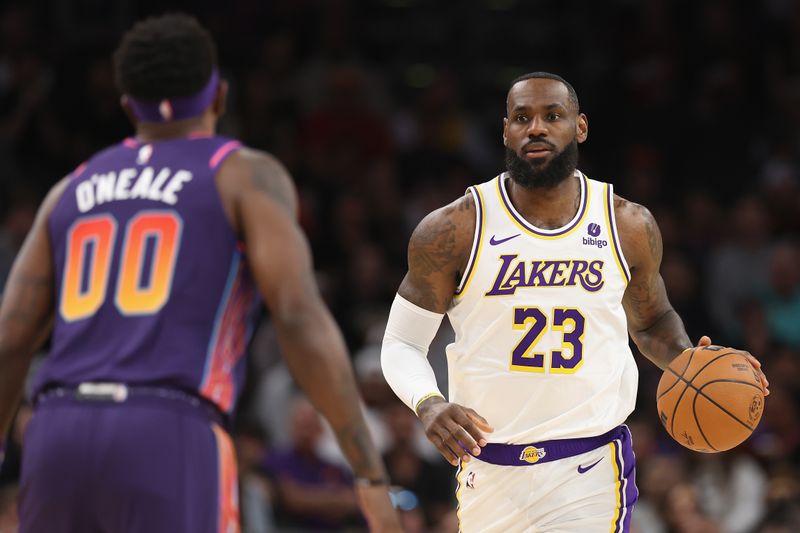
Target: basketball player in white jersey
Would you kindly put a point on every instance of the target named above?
(543, 272)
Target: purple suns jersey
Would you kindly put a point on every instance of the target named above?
(151, 283)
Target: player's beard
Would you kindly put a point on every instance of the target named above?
(533, 174)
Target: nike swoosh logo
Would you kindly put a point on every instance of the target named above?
(495, 242)
(584, 469)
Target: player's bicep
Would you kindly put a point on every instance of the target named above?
(278, 254)
(645, 299)
(437, 252)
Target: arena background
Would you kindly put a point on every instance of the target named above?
(385, 110)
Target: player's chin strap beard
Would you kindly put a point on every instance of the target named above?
(561, 167)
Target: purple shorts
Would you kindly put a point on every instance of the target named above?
(142, 464)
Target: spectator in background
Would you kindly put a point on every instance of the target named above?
(738, 269)
(781, 300)
(312, 494)
(782, 503)
(683, 513)
(431, 481)
(656, 477)
(256, 491)
(730, 488)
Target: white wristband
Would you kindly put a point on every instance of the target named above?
(404, 360)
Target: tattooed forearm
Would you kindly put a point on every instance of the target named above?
(664, 340)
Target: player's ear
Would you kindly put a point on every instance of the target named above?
(505, 129)
(126, 107)
(582, 128)
(221, 97)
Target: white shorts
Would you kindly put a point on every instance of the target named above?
(589, 492)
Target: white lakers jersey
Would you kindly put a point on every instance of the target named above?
(541, 346)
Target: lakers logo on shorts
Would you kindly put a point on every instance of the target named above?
(532, 454)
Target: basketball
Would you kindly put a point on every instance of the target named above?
(710, 399)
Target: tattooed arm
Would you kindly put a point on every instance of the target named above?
(26, 310)
(261, 203)
(437, 256)
(652, 322)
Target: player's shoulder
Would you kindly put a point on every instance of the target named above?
(252, 171)
(631, 215)
(449, 219)
(638, 231)
(448, 230)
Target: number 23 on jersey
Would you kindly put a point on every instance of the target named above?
(146, 266)
(566, 360)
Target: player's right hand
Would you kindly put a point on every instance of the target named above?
(453, 429)
(705, 340)
(377, 507)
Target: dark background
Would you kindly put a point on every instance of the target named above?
(385, 110)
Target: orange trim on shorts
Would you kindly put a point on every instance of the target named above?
(228, 489)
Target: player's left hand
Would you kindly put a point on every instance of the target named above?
(705, 340)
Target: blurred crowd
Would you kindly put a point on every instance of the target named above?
(384, 110)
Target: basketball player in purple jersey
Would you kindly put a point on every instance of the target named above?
(146, 265)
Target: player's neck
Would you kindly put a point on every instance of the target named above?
(152, 131)
(547, 207)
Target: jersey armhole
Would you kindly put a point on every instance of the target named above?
(222, 153)
(476, 242)
(612, 228)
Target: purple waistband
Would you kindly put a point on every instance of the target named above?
(133, 395)
(170, 109)
(545, 451)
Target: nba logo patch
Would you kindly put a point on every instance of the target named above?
(144, 154)
(165, 109)
(470, 480)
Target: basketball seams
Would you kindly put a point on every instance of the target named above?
(709, 363)
(688, 377)
(688, 363)
(704, 395)
(680, 378)
(697, 420)
(680, 398)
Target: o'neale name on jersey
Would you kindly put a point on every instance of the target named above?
(515, 273)
(131, 184)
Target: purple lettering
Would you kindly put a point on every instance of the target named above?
(558, 271)
(578, 267)
(536, 278)
(500, 288)
(596, 270)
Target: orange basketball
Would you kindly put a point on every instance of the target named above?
(710, 399)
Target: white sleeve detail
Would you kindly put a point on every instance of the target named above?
(404, 355)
